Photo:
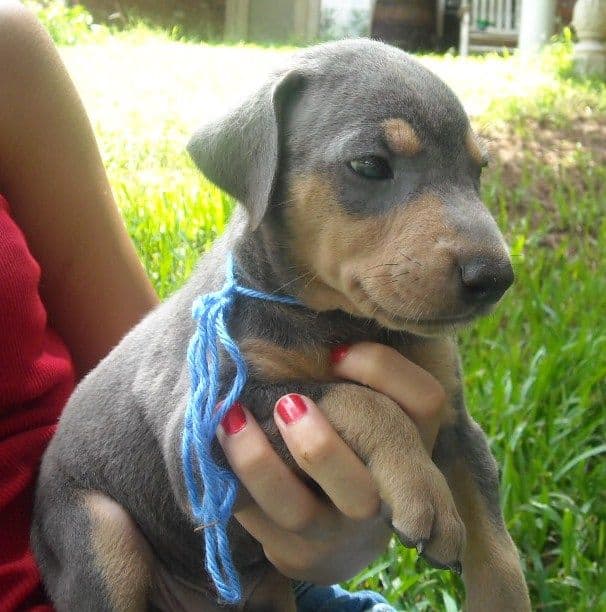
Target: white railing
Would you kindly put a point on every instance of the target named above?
(482, 18)
(495, 15)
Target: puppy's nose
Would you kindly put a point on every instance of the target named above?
(485, 279)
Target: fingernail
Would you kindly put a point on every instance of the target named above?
(291, 408)
(235, 419)
(338, 353)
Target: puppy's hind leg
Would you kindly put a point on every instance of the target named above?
(90, 552)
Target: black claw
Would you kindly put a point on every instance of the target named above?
(405, 541)
(386, 512)
(421, 546)
(434, 563)
(456, 568)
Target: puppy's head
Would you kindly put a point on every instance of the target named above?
(366, 164)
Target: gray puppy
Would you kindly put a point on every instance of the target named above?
(360, 176)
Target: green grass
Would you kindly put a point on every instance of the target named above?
(535, 370)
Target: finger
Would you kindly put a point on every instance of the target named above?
(321, 453)
(320, 560)
(268, 533)
(385, 370)
(291, 554)
(275, 488)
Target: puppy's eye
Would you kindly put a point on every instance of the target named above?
(372, 167)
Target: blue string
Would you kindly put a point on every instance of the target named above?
(202, 417)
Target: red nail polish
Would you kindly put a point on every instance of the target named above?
(338, 353)
(291, 408)
(235, 419)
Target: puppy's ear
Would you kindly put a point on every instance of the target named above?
(240, 151)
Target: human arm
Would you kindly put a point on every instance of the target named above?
(92, 282)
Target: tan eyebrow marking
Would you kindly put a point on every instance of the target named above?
(401, 137)
(475, 149)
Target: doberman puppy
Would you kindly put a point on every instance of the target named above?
(360, 175)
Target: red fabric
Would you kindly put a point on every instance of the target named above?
(36, 378)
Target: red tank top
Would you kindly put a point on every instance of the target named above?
(36, 378)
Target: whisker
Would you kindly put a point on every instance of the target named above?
(377, 276)
(381, 265)
(401, 273)
(414, 261)
(311, 280)
(290, 282)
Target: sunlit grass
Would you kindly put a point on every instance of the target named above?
(535, 369)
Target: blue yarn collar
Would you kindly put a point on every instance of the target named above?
(219, 485)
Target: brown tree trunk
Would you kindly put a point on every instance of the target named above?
(408, 24)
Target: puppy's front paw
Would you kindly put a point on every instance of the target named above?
(425, 517)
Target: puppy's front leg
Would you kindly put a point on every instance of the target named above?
(411, 487)
(491, 567)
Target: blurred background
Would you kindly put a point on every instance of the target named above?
(412, 24)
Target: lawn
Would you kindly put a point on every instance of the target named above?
(535, 370)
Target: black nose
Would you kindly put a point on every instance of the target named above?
(485, 280)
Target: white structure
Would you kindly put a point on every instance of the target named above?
(537, 24)
(589, 21)
(272, 20)
(489, 25)
(342, 11)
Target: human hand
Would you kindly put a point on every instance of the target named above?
(306, 537)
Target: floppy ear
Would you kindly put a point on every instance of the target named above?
(240, 151)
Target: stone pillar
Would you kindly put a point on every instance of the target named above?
(236, 19)
(306, 20)
(464, 12)
(589, 21)
(291, 20)
(537, 22)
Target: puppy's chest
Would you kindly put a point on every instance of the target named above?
(285, 344)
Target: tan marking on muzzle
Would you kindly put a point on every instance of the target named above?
(401, 137)
(326, 239)
(274, 363)
(315, 218)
